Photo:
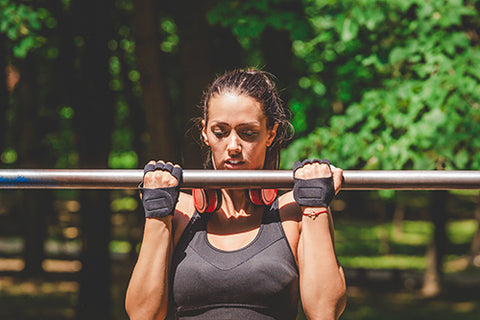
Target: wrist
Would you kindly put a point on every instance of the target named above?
(314, 212)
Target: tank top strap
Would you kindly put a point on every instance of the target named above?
(271, 213)
(197, 222)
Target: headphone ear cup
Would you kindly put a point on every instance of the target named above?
(255, 196)
(269, 196)
(262, 197)
(207, 200)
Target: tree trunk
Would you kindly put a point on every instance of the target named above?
(278, 56)
(432, 284)
(160, 124)
(3, 92)
(29, 133)
(38, 205)
(137, 120)
(226, 52)
(474, 259)
(197, 71)
(94, 301)
(137, 117)
(93, 103)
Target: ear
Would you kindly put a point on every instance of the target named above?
(204, 133)
(271, 134)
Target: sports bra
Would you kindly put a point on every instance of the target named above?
(258, 281)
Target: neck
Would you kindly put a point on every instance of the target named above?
(238, 213)
(235, 203)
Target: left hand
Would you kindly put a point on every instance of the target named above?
(316, 182)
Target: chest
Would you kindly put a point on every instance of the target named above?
(263, 270)
(234, 241)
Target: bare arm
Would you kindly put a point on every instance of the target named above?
(322, 282)
(147, 293)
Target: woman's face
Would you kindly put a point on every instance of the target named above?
(237, 132)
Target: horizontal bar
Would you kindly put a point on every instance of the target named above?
(236, 179)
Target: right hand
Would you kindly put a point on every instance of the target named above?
(160, 188)
(156, 177)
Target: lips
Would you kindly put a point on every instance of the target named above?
(234, 163)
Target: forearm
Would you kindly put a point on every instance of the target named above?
(322, 283)
(147, 293)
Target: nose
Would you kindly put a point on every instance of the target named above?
(234, 143)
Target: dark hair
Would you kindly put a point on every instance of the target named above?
(260, 86)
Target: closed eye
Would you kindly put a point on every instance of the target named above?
(220, 131)
(249, 135)
(219, 134)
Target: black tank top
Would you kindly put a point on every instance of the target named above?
(259, 281)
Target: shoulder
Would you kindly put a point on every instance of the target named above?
(184, 211)
(289, 209)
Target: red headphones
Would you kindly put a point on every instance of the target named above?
(210, 200)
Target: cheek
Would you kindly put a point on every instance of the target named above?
(217, 149)
(257, 156)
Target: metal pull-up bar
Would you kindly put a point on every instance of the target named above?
(237, 179)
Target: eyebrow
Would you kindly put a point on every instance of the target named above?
(255, 123)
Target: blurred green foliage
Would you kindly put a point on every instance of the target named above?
(395, 84)
(373, 84)
(22, 24)
(373, 245)
(381, 84)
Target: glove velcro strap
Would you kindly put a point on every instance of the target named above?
(318, 192)
(159, 202)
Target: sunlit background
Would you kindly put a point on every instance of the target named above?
(372, 84)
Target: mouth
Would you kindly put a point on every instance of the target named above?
(233, 163)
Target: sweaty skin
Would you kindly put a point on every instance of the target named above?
(237, 133)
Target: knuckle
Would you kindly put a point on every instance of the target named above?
(300, 174)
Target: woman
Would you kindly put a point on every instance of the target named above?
(243, 260)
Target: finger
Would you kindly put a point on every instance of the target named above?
(300, 173)
(325, 161)
(159, 165)
(168, 167)
(297, 165)
(306, 161)
(177, 172)
(150, 166)
(337, 179)
(323, 170)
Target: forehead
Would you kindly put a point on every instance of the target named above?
(233, 108)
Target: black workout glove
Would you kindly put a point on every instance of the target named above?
(160, 202)
(318, 192)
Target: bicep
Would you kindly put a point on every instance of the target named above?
(290, 215)
(184, 211)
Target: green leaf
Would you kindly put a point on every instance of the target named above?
(461, 159)
(398, 54)
(349, 30)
